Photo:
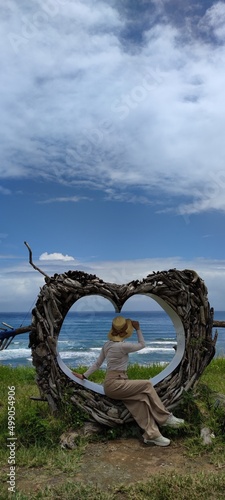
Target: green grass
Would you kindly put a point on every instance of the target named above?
(34, 423)
(163, 487)
(214, 375)
(38, 433)
(134, 371)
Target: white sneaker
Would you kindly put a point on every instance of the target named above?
(159, 441)
(173, 421)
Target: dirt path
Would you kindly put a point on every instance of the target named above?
(128, 461)
(117, 462)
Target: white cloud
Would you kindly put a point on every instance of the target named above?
(64, 199)
(20, 284)
(80, 109)
(214, 19)
(19, 291)
(55, 256)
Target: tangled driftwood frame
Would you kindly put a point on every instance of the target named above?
(182, 294)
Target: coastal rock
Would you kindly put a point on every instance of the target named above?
(207, 436)
(68, 440)
(91, 428)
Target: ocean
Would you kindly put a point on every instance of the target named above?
(83, 334)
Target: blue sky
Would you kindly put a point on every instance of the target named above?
(112, 141)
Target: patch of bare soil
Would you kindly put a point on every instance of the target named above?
(122, 461)
(128, 461)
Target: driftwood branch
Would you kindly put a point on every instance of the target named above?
(16, 331)
(31, 261)
(219, 324)
(6, 336)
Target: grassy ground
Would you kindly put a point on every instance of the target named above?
(37, 435)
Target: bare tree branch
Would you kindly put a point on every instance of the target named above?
(31, 261)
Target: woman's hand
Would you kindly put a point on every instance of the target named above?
(135, 324)
(79, 375)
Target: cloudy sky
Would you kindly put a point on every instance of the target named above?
(112, 141)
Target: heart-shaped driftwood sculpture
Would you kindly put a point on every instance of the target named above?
(182, 294)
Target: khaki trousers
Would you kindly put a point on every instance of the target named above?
(141, 399)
